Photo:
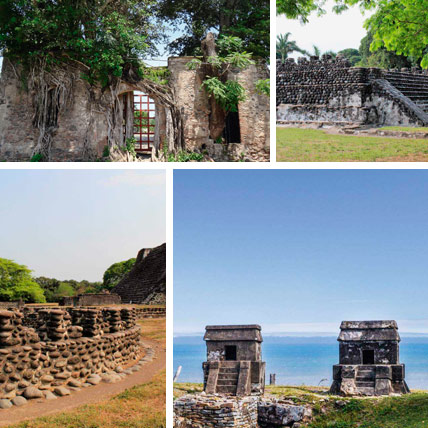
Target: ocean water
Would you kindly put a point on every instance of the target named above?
(301, 360)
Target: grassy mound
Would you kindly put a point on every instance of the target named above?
(406, 411)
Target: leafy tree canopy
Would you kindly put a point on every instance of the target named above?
(353, 55)
(381, 57)
(116, 272)
(299, 9)
(400, 26)
(16, 283)
(246, 19)
(104, 36)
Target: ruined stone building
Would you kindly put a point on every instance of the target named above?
(146, 281)
(234, 360)
(330, 92)
(369, 362)
(67, 119)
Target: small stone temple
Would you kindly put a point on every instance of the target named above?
(234, 360)
(369, 362)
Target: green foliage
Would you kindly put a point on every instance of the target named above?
(353, 55)
(103, 36)
(106, 151)
(182, 156)
(65, 290)
(38, 157)
(228, 95)
(381, 57)
(284, 47)
(55, 289)
(263, 86)
(116, 272)
(299, 9)
(245, 19)
(130, 147)
(158, 75)
(16, 283)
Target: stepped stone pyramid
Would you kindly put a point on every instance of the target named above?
(146, 281)
(328, 91)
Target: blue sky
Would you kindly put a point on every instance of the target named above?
(73, 224)
(300, 251)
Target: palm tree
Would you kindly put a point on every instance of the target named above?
(317, 52)
(284, 47)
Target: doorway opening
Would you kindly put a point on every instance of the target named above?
(232, 131)
(144, 122)
(230, 353)
(368, 356)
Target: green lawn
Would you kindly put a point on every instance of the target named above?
(314, 145)
(403, 129)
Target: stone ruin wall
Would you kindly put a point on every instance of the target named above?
(142, 313)
(330, 91)
(51, 348)
(101, 299)
(82, 130)
(200, 411)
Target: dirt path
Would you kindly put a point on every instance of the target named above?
(90, 395)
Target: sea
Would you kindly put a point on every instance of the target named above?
(301, 360)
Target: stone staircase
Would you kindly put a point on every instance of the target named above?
(227, 380)
(413, 86)
(365, 380)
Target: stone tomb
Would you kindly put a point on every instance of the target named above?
(368, 360)
(234, 360)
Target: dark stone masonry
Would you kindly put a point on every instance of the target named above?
(329, 91)
(369, 361)
(46, 351)
(146, 281)
(234, 360)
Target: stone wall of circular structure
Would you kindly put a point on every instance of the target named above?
(50, 349)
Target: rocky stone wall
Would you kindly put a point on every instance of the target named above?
(200, 411)
(197, 411)
(101, 299)
(82, 129)
(50, 349)
(142, 313)
(330, 91)
(194, 103)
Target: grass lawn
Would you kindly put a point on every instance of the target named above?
(407, 411)
(314, 145)
(404, 129)
(142, 406)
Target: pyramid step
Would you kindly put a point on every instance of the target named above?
(225, 389)
(364, 390)
(365, 377)
(228, 371)
(227, 382)
(228, 376)
(364, 384)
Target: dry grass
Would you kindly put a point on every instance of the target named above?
(154, 328)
